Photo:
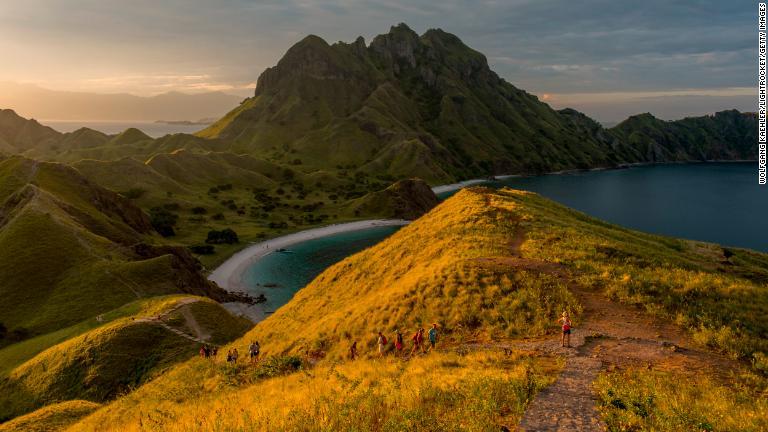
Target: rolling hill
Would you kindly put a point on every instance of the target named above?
(81, 267)
(494, 269)
(92, 250)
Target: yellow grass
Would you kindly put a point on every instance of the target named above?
(439, 392)
(641, 400)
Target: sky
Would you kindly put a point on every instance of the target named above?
(608, 58)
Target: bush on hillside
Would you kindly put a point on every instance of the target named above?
(203, 249)
(227, 235)
(163, 221)
(199, 210)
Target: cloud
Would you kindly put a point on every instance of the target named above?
(589, 46)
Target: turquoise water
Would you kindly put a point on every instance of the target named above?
(715, 202)
(294, 269)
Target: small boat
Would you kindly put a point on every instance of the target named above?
(281, 250)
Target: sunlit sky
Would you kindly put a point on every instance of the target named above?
(606, 57)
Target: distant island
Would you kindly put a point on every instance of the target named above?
(201, 122)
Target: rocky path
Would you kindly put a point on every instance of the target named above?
(569, 403)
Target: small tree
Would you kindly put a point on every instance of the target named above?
(227, 235)
(202, 249)
(163, 221)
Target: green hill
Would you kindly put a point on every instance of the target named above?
(18, 134)
(71, 249)
(429, 106)
(85, 280)
(120, 353)
(494, 269)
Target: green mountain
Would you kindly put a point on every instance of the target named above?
(429, 106)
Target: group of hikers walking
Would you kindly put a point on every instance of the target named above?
(418, 343)
(399, 345)
(207, 351)
(254, 350)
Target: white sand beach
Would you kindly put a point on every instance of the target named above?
(229, 274)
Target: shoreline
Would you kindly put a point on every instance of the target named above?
(229, 274)
(472, 182)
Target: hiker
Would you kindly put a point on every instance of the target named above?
(353, 351)
(215, 351)
(235, 355)
(399, 341)
(253, 350)
(433, 336)
(207, 351)
(417, 338)
(421, 340)
(566, 322)
(202, 351)
(382, 341)
(229, 356)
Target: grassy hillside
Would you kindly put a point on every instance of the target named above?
(82, 271)
(52, 418)
(116, 354)
(72, 250)
(444, 391)
(213, 191)
(492, 268)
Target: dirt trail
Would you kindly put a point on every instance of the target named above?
(200, 335)
(193, 325)
(606, 335)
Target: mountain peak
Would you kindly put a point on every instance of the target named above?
(401, 29)
(400, 44)
(130, 136)
(309, 41)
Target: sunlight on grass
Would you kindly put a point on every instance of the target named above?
(439, 392)
(662, 401)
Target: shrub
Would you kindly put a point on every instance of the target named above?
(227, 235)
(203, 249)
(163, 221)
(199, 210)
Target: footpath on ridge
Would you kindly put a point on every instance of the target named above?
(607, 335)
